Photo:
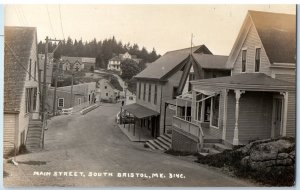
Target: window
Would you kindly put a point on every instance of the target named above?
(155, 94)
(199, 107)
(106, 94)
(79, 101)
(105, 87)
(191, 77)
(22, 137)
(30, 99)
(34, 71)
(244, 54)
(174, 92)
(130, 98)
(149, 93)
(61, 102)
(215, 111)
(30, 69)
(140, 86)
(144, 95)
(257, 59)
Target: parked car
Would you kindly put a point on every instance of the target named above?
(126, 118)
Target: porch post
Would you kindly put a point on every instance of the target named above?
(176, 108)
(185, 110)
(134, 126)
(238, 94)
(124, 117)
(202, 109)
(285, 109)
(194, 106)
(225, 114)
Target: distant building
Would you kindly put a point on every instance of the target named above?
(82, 93)
(78, 63)
(115, 62)
(107, 92)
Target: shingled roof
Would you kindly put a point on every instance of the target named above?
(170, 60)
(278, 34)
(20, 40)
(207, 61)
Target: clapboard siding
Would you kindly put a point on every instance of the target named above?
(291, 115)
(286, 77)
(251, 42)
(255, 116)
(9, 132)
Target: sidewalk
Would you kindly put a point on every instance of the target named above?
(136, 134)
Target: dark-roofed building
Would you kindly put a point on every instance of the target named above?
(21, 89)
(257, 101)
(78, 63)
(169, 76)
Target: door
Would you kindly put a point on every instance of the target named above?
(277, 117)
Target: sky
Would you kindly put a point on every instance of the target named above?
(163, 27)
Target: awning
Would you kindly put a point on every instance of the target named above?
(206, 92)
(139, 111)
(180, 102)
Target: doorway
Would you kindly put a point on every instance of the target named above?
(277, 117)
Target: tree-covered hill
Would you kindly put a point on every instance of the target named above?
(101, 50)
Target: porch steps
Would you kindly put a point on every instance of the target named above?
(161, 143)
(34, 136)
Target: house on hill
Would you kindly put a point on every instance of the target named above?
(258, 100)
(78, 63)
(115, 62)
(21, 89)
(163, 80)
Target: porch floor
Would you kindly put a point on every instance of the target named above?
(140, 134)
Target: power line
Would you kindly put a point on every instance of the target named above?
(24, 17)
(50, 21)
(19, 62)
(61, 25)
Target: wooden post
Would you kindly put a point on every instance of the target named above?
(285, 110)
(238, 94)
(54, 96)
(176, 108)
(134, 126)
(185, 111)
(225, 114)
(124, 117)
(140, 121)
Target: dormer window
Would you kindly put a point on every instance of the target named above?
(244, 54)
(257, 59)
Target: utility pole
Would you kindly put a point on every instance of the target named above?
(72, 89)
(44, 92)
(54, 96)
(44, 95)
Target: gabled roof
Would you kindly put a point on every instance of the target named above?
(247, 80)
(207, 61)
(278, 34)
(170, 60)
(71, 60)
(19, 40)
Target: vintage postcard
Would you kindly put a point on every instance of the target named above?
(149, 95)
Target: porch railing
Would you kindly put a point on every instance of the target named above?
(190, 128)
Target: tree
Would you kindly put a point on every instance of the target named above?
(129, 69)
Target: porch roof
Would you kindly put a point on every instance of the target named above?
(180, 102)
(139, 111)
(247, 81)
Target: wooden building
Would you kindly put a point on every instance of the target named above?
(21, 89)
(258, 100)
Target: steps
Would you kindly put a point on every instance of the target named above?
(213, 146)
(34, 136)
(162, 143)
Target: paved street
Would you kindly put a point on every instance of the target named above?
(93, 143)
